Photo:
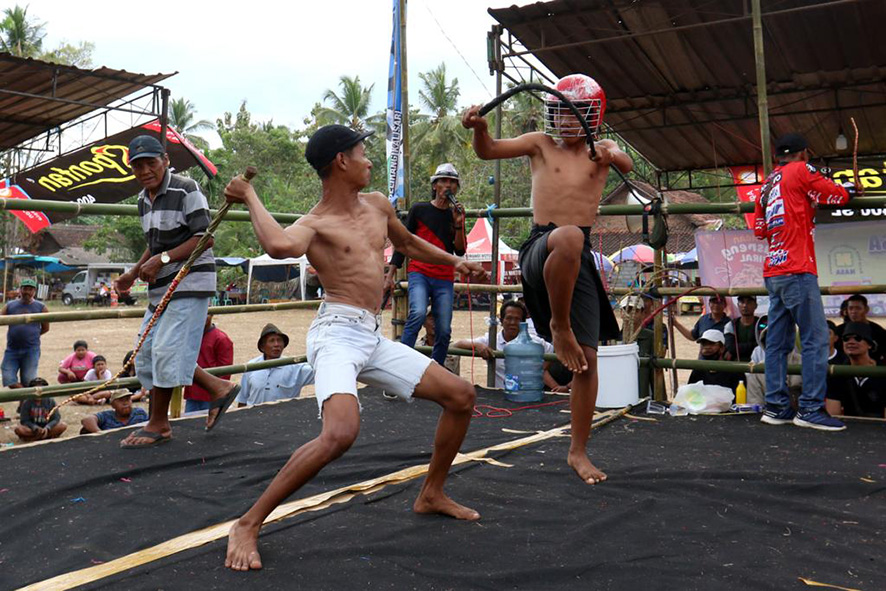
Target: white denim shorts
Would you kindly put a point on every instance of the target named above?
(345, 345)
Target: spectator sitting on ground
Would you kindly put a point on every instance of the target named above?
(138, 393)
(216, 350)
(511, 315)
(756, 382)
(858, 396)
(34, 416)
(716, 319)
(99, 372)
(740, 332)
(453, 362)
(75, 366)
(121, 414)
(712, 347)
(274, 383)
(857, 311)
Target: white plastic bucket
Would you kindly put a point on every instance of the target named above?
(617, 373)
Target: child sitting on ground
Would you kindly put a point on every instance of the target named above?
(34, 416)
(99, 372)
(74, 367)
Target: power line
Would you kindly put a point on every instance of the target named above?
(439, 26)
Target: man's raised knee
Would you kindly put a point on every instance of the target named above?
(338, 439)
(568, 238)
(463, 397)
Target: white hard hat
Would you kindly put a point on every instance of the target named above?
(445, 171)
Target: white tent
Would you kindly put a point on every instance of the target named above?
(265, 260)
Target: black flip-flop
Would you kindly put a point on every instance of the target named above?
(222, 404)
(156, 439)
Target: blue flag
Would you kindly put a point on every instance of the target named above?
(394, 134)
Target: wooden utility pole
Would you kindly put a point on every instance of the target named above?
(762, 98)
(401, 304)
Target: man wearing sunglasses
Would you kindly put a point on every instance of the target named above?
(858, 396)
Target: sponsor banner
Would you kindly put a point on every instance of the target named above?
(748, 181)
(732, 258)
(852, 254)
(33, 220)
(394, 115)
(847, 254)
(97, 173)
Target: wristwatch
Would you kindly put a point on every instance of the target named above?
(164, 257)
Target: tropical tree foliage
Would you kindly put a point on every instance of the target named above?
(350, 106)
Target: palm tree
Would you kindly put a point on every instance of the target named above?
(350, 107)
(182, 113)
(18, 36)
(437, 135)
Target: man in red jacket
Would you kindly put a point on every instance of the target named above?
(785, 217)
(216, 350)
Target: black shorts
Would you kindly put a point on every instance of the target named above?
(590, 314)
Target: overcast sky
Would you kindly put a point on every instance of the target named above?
(278, 56)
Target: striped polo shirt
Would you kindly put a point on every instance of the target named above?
(179, 212)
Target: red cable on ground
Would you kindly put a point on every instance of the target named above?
(496, 412)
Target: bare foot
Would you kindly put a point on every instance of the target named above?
(442, 504)
(243, 548)
(581, 463)
(568, 350)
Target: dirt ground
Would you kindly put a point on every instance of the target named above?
(113, 338)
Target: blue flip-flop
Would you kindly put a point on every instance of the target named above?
(223, 404)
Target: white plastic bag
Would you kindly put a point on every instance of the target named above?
(701, 398)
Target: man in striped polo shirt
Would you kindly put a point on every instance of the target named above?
(174, 214)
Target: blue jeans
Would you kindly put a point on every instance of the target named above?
(196, 405)
(169, 356)
(25, 360)
(440, 293)
(796, 299)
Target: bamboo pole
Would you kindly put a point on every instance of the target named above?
(762, 96)
(865, 202)
(658, 389)
(494, 278)
(400, 305)
(11, 395)
(674, 291)
(140, 312)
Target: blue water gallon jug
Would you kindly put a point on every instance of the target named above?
(524, 368)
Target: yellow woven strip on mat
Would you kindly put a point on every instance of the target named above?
(817, 584)
(313, 503)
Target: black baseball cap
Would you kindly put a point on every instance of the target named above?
(329, 140)
(859, 329)
(790, 143)
(145, 146)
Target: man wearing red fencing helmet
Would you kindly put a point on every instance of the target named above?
(587, 96)
(561, 285)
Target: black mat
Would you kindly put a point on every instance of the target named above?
(78, 502)
(692, 503)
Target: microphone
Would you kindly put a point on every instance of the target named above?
(451, 197)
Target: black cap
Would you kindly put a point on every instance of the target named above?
(270, 329)
(832, 325)
(328, 141)
(790, 143)
(145, 146)
(747, 297)
(860, 329)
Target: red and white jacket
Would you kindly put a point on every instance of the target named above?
(792, 193)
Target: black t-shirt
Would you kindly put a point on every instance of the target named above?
(860, 396)
(716, 378)
(434, 225)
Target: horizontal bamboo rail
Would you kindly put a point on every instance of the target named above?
(504, 212)
(140, 312)
(12, 395)
(673, 291)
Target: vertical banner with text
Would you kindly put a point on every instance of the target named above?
(394, 134)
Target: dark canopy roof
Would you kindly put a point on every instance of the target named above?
(680, 77)
(36, 96)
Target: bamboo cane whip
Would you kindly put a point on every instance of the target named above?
(201, 246)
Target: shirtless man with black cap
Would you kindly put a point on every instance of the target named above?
(344, 236)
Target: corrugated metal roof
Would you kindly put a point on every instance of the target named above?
(679, 75)
(40, 85)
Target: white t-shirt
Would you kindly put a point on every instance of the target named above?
(91, 376)
(500, 363)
